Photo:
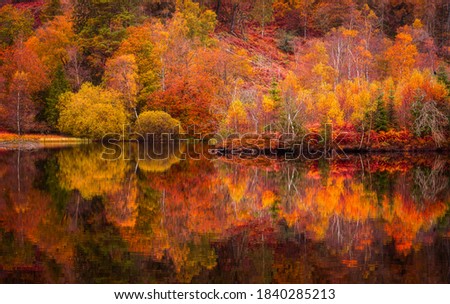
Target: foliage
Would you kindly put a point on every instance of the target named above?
(51, 9)
(236, 119)
(157, 123)
(23, 75)
(285, 41)
(58, 86)
(121, 76)
(381, 119)
(428, 119)
(53, 41)
(14, 24)
(92, 112)
(199, 22)
(346, 62)
(101, 26)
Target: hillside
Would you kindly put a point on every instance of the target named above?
(265, 66)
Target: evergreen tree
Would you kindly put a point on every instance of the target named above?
(58, 86)
(390, 111)
(275, 93)
(101, 26)
(381, 121)
(443, 77)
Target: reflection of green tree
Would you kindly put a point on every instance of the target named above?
(83, 169)
(324, 169)
(48, 181)
(382, 183)
(148, 208)
(16, 252)
(102, 257)
(200, 255)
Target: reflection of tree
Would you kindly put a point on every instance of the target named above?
(84, 169)
(430, 182)
(168, 154)
(204, 219)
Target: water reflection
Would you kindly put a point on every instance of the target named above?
(67, 215)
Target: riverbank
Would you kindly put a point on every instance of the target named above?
(32, 141)
(349, 143)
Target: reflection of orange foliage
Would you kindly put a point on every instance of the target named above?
(350, 263)
(405, 219)
(268, 199)
(121, 208)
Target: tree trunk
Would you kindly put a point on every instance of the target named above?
(18, 111)
(362, 137)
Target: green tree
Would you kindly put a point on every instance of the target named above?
(390, 111)
(101, 26)
(200, 23)
(381, 121)
(93, 113)
(442, 77)
(58, 86)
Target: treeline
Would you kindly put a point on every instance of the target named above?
(89, 67)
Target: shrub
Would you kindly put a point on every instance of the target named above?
(157, 122)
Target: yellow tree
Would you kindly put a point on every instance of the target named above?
(327, 106)
(236, 118)
(292, 105)
(416, 90)
(92, 112)
(145, 44)
(313, 66)
(357, 98)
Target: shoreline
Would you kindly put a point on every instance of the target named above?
(10, 141)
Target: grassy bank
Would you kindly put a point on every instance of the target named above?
(6, 137)
(11, 141)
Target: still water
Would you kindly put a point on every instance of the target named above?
(69, 216)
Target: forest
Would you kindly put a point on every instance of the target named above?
(377, 70)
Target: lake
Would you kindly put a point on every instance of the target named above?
(67, 215)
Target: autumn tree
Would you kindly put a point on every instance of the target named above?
(236, 118)
(14, 24)
(420, 87)
(148, 44)
(101, 26)
(92, 112)
(357, 98)
(401, 56)
(200, 22)
(262, 13)
(24, 76)
(53, 42)
(293, 105)
(121, 75)
(429, 119)
(51, 9)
